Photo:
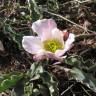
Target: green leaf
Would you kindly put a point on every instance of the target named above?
(28, 90)
(77, 74)
(14, 36)
(51, 83)
(35, 69)
(83, 77)
(35, 13)
(72, 60)
(37, 72)
(10, 80)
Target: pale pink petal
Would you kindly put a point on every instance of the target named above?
(57, 34)
(32, 44)
(39, 57)
(68, 45)
(70, 39)
(59, 52)
(45, 55)
(52, 56)
(44, 27)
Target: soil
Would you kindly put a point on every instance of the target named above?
(84, 14)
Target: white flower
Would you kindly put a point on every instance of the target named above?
(49, 42)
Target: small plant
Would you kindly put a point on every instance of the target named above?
(49, 43)
(47, 48)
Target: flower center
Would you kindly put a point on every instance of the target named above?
(52, 45)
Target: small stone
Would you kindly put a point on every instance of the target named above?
(1, 46)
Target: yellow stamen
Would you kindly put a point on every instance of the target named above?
(52, 45)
